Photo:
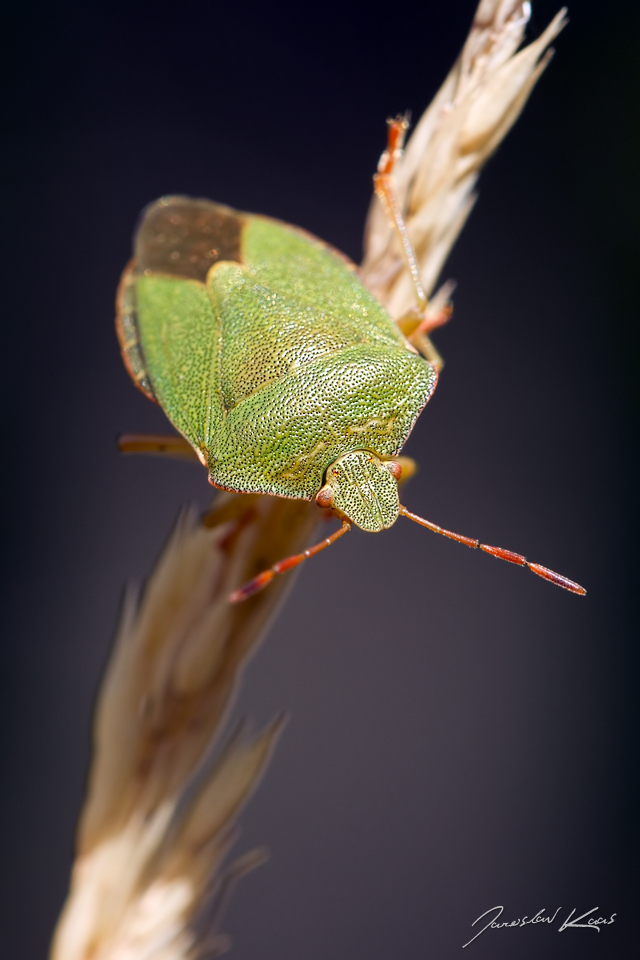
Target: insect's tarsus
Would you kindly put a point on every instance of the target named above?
(500, 553)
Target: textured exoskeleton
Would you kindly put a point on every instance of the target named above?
(270, 356)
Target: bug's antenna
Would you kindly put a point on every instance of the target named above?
(264, 579)
(500, 553)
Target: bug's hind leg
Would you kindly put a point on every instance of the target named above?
(424, 316)
(173, 446)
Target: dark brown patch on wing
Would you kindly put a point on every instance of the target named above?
(184, 237)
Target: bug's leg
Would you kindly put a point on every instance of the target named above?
(172, 446)
(419, 337)
(423, 345)
(385, 190)
(500, 553)
(416, 330)
(419, 321)
(412, 326)
(264, 579)
(438, 312)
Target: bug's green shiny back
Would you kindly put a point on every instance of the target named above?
(281, 362)
(178, 351)
(293, 303)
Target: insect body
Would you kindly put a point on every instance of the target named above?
(277, 365)
(266, 351)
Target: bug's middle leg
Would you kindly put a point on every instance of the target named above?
(173, 446)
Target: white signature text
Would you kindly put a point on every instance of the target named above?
(593, 923)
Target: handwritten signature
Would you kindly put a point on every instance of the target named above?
(592, 923)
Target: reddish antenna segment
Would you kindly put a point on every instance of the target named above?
(500, 553)
(264, 579)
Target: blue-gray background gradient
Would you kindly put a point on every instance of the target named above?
(462, 734)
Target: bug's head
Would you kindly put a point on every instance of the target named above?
(364, 489)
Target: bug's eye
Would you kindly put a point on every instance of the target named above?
(394, 468)
(325, 497)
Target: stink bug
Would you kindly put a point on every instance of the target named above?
(277, 365)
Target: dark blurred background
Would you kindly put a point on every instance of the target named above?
(462, 734)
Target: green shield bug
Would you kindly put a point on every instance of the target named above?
(279, 367)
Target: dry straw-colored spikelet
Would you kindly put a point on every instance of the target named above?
(474, 109)
(149, 879)
(159, 817)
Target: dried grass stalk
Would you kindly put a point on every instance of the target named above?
(471, 113)
(149, 880)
